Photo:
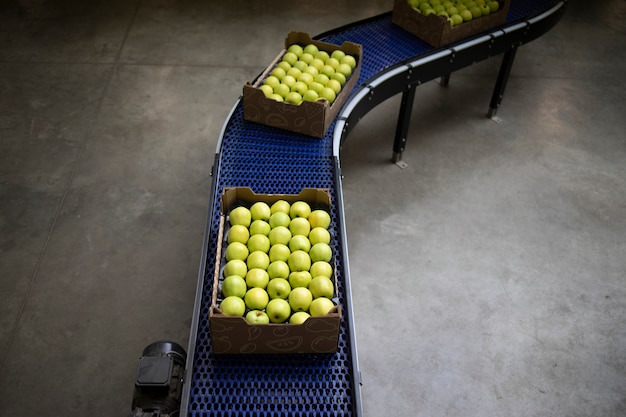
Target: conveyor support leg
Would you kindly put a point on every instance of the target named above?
(404, 120)
(503, 77)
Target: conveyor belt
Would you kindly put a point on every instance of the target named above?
(271, 160)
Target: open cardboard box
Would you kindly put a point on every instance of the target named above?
(308, 118)
(234, 334)
(436, 31)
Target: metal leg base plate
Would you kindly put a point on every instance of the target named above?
(492, 115)
(397, 159)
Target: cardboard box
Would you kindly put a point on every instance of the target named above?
(234, 334)
(436, 30)
(308, 118)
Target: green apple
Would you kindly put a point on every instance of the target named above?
(299, 261)
(311, 49)
(238, 233)
(256, 298)
(466, 15)
(284, 65)
(290, 57)
(235, 267)
(327, 70)
(321, 268)
(278, 72)
(317, 87)
(310, 95)
(493, 6)
(300, 279)
(259, 227)
(301, 65)
(279, 235)
(259, 242)
(267, 90)
(299, 242)
(299, 226)
(452, 10)
(299, 317)
(234, 285)
(345, 69)
(476, 12)
(294, 72)
(240, 215)
(258, 259)
(279, 218)
(280, 205)
(328, 94)
(278, 288)
(306, 58)
(282, 90)
(485, 9)
(319, 235)
(333, 62)
(257, 317)
(276, 97)
(321, 78)
(236, 250)
(260, 211)
(456, 19)
(337, 54)
(339, 77)
(278, 269)
(294, 98)
(320, 306)
(323, 55)
(257, 277)
(321, 287)
(278, 310)
(301, 87)
(319, 252)
(233, 306)
(349, 60)
(312, 71)
(279, 252)
(272, 81)
(306, 78)
(300, 299)
(300, 209)
(296, 49)
(317, 63)
(335, 85)
(289, 80)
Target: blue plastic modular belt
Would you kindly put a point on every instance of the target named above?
(271, 160)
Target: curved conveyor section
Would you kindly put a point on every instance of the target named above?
(270, 160)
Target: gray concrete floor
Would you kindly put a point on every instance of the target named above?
(488, 276)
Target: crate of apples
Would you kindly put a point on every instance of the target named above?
(441, 22)
(274, 268)
(303, 89)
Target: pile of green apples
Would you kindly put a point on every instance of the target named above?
(278, 266)
(306, 73)
(455, 11)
